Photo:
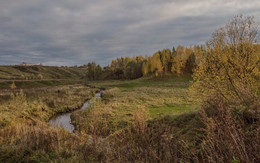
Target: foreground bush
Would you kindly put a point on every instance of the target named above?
(230, 134)
(217, 134)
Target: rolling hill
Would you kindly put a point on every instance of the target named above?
(38, 72)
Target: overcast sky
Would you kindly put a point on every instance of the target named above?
(74, 32)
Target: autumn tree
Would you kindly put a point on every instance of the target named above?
(179, 60)
(13, 86)
(146, 68)
(156, 66)
(166, 56)
(231, 66)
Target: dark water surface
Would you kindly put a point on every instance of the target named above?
(64, 120)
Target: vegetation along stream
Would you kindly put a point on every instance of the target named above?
(64, 120)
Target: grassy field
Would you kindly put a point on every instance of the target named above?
(158, 96)
(138, 117)
(148, 119)
(158, 82)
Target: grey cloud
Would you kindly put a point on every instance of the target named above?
(66, 32)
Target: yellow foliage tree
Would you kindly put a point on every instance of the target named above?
(145, 68)
(156, 64)
(13, 86)
(180, 59)
(231, 67)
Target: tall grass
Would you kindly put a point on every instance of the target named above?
(41, 103)
(24, 134)
(219, 136)
(230, 135)
(38, 142)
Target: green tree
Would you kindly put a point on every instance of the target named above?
(173, 50)
(190, 63)
(94, 71)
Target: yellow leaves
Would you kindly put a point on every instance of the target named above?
(231, 66)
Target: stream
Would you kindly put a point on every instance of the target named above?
(64, 120)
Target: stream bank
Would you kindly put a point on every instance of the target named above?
(63, 120)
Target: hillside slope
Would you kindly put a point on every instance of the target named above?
(40, 72)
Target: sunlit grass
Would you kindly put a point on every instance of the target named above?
(41, 103)
(172, 110)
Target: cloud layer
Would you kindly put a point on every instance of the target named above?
(66, 32)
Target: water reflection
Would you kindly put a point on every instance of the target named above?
(64, 120)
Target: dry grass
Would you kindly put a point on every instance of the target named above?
(26, 137)
(119, 128)
(38, 142)
(217, 134)
(41, 103)
(144, 141)
(229, 135)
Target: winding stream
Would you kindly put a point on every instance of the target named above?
(64, 120)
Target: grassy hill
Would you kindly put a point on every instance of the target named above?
(37, 72)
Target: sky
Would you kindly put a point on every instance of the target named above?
(75, 32)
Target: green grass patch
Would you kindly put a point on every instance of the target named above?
(172, 109)
(156, 82)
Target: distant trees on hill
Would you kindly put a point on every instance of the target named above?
(125, 68)
(231, 56)
(180, 61)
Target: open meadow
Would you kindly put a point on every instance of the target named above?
(31, 108)
(150, 118)
(189, 104)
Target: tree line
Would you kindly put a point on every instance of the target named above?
(181, 60)
(231, 46)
